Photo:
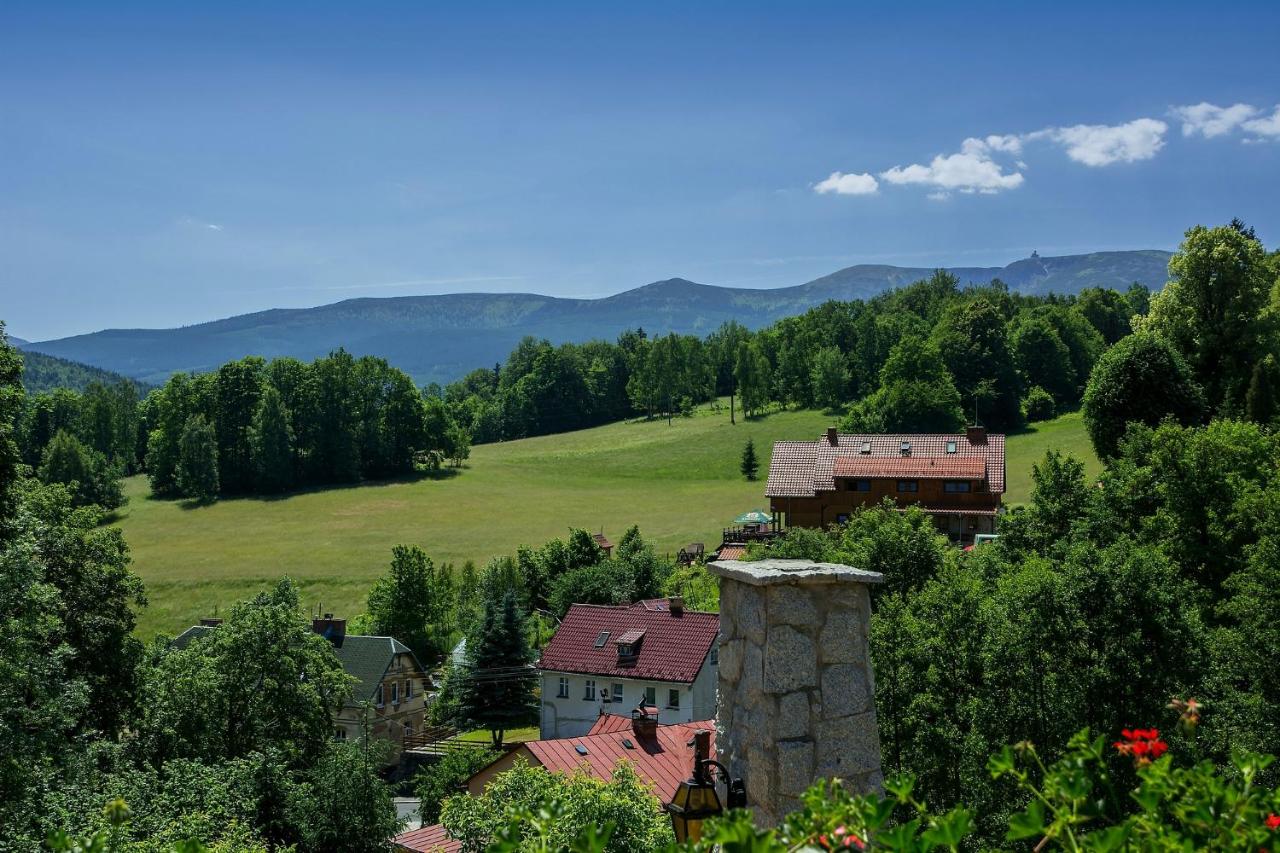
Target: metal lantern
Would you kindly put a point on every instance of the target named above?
(696, 799)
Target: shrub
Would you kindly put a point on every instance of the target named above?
(1038, 404)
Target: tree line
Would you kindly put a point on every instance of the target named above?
(917, 358)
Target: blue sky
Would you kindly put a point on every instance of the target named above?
(172, 163)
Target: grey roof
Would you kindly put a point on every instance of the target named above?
(365, 658)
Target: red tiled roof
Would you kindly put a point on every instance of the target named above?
(732, 552)
(663, 760)
(428, 839)
(674, 647)
(630, 636)
(804, 468)
(916, 467)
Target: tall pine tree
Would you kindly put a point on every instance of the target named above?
(495, 688)
(750, 464)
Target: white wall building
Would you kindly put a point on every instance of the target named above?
(612, 659)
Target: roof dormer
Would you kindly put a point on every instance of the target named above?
(629, 645)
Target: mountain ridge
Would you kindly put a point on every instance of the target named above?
(440, 337)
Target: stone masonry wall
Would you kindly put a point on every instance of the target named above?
(796, 691)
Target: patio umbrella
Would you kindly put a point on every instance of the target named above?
(756, 516)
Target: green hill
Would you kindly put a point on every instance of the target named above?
(439, 338)
(680, 483)
(42, 372)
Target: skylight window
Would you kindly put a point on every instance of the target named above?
(905, 447)
(602, 639)
(866, 447)
(626, 741)
(951, 447)
(580, 749)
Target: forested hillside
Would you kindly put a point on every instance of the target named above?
(42, 372)
(439, 338)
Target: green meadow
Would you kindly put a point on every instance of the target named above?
(679, 482)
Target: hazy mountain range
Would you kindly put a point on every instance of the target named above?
(439, 338)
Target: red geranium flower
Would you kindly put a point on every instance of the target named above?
(1273, 821)
(1143, 744)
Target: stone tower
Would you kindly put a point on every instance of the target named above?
(796, 688)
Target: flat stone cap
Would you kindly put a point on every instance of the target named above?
(769, 572)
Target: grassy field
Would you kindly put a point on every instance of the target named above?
(680, 483)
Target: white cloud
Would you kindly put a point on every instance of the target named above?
(848, 184)
(940, 195)
(971, 170)
(1210, 120)
(1267, 126)
(1102, 144)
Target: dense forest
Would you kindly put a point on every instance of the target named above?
(42, 372)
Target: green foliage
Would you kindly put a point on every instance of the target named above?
(699, 588)
(752, 373)
(271, 444)
(1141, 379)
(1109, 311)
(446, 777)
(749, 465)
(260, 682)
(341, 804)
(415, 603)
(1038, 404)
(1043, 360)
(970, 337)
(90, 476)
(916, 394)
(830, 378)
(527, 808)
(1213, 310)
(1262, 400)
(495, 688)
(197, 472)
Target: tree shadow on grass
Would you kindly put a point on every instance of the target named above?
(443, 473)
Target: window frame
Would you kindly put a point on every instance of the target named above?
(562, 689)
(616, 695)
(957, 487)
(395, 693)
(380, 697)
(908, 486)
(589, 690)
(651, 697)
(673, 698)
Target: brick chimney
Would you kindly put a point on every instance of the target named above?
(644, 721)
(333, 630)
(796, 691)
(675, 605)
(977, 434)
(833, 436)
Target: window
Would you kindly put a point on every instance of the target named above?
(563, 692)
(395, 693)
(617, 692)
(905, 448)
(956, 486)
(951, 447)
(408, 729)
(377, 697)
(602, 639)
(408, 688)
(866, 447)
(626, 650)
(673, 698)
(590, 693)
(651, 696)
(842, 518)
(714, 657)
(862, 485)
(908, 486)
(340, 734)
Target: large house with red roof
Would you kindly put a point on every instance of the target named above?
(958, 478)
(610, 659)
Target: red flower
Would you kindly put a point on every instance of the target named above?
(1143, 744)
(1273, 821)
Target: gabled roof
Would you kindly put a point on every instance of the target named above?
(804, 468)
(428, 839)
(663, 759)
(674, 647)
(365, 658)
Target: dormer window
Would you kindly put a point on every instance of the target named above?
(951, 447)
(866, 447)
(905, 448)
(629, 644)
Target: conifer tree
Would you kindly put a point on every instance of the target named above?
(750, 464)
(198, 460)
(496, 686)
(271, 439)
